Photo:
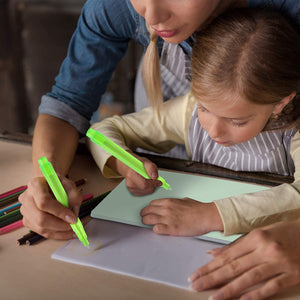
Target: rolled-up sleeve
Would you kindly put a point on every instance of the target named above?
(97, 45)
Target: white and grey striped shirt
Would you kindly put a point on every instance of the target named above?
(268, 152)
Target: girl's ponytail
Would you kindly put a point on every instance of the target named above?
(151, 71)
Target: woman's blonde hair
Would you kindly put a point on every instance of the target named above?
(151, 71)
(253, 54)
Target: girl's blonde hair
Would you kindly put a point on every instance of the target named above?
(151, 71)
(253, 54)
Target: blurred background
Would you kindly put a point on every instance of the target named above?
(34, 36)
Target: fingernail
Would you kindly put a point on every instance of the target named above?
(192, 277)
(191, 288)
(154, 175)
(76, 209)
(70, 219)
(218, 295)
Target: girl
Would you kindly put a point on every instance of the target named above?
(244, 82)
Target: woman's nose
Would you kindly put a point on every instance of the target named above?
(156, 12)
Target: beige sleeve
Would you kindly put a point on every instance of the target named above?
(156, 131)
(245, 212)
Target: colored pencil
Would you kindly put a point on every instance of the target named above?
(7, 209)
(14, 191)
(9, 199)
(11, 227)
(11, 220)
(25, 237)
(9, 215)
(13, 195)
(11, 209)
(87, 197)
(34, 239)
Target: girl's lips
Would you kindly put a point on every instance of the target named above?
(166, 33)
(221, 143)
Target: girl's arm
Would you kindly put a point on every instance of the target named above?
(245, 212)
(148, 129)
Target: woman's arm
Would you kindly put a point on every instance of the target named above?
(42, 213)
(55, 139)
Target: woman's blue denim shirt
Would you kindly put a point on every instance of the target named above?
(99, 42)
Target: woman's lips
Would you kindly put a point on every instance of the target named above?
(166, 33)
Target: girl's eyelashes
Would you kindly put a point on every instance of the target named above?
(238, 124)
(231, 121)
(201, 108)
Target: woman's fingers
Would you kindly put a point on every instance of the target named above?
(272, 287)
(226, 256)
(226, 272)
(43, 214)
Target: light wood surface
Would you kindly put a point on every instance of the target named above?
(28, 272)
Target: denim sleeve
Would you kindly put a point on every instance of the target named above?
(289, 8)
(99, 42)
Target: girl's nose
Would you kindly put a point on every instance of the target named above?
(216, 129)
(157, 12)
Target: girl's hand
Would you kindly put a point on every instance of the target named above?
(43, 214)
(269, 256)
(181, 217)
(136, 183)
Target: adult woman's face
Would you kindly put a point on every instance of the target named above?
(175, 20)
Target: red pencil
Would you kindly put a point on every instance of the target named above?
(11, 227)
(14, 191)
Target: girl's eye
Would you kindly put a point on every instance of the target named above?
(201, 108)
(237, 124)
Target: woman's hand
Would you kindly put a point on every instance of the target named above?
(269, 256)
(181, 217)
(43, 214)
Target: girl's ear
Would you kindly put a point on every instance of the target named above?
(285, 101)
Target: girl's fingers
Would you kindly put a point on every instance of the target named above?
(152, 219)
(138, 185)
(151, 169)
(161, 229)
(153, 209)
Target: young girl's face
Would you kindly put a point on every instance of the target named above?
(235, 122)
(175, 20)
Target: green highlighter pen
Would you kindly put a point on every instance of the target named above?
(121, 154)
(61, 196)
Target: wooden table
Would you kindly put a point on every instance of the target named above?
(28, 272)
